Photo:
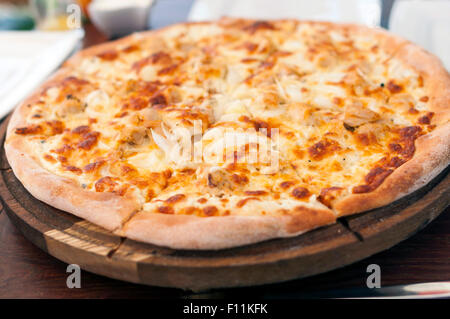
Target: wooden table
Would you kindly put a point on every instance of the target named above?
(28, 272)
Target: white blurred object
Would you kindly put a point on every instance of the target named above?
(27, 58)
(120, 17)
(426, 23)
(366, 12)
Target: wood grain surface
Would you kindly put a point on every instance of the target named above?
(28, 272)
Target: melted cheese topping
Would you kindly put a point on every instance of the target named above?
(347, 115)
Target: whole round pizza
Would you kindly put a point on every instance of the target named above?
(215, 135)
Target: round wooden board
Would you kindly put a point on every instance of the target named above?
(76, 241)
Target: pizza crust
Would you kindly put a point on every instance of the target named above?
(192, 232)
(124, 216)
(436, 79)
(104, 209)
(432, 153)
(430, 158)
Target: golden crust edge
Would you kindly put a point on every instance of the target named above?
(435, 76)
(432, 153)
(212, 233)
(104, 209)
(431, 157)
(390, 42)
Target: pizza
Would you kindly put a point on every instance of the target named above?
(220, 134)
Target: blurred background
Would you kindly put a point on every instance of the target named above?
(37, 35)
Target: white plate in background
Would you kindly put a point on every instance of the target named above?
(27, 58)
(425, 22)
(366, 12)
(119, 17)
